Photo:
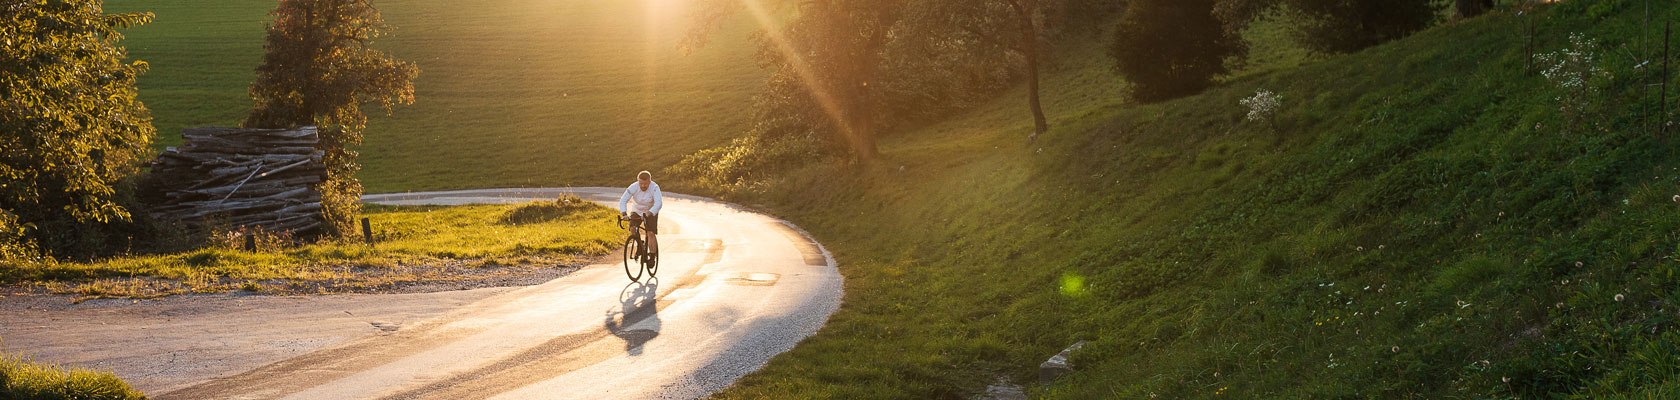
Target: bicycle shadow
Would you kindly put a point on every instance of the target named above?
(636, 319)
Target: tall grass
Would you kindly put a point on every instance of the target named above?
(21, 379)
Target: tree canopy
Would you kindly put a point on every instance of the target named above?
(1172, 48)
(849, 69)
(71, 124)
(320, 69)
(1340, 26)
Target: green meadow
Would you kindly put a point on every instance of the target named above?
(511, 92)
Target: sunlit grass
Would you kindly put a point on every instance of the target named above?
(413, 244)
(21, 379)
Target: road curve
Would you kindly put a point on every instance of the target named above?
(734, 289)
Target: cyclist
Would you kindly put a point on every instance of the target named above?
(648, 201)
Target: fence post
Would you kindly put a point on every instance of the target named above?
(1662, 129)
(367, 231)
(251, 241)
(1529, 24)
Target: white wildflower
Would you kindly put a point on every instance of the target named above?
(1262, 105)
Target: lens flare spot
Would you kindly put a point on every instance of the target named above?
(1073, 285)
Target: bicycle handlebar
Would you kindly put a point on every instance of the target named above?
(633, 218)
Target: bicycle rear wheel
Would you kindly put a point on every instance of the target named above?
(632, 259)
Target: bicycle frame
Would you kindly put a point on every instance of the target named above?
(635, 227)
(644, 261)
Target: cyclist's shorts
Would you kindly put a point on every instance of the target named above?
(650, 222)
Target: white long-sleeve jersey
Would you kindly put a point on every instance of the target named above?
(647, 201)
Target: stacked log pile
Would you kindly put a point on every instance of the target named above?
(228, 177)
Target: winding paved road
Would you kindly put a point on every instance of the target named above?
(734, 289)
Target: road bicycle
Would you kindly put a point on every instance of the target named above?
(637, 259)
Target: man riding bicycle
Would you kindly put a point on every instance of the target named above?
(648, 201)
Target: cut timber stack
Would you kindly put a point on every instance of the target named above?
(228, 177)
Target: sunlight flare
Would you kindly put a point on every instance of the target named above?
(801, 69)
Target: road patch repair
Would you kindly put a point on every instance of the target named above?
(735, 290)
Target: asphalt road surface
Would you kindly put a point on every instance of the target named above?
(734, 289)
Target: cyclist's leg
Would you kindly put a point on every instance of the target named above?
(652, 222)
(636, 232)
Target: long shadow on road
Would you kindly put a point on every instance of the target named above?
(636, 320)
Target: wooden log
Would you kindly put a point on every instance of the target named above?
(245, 177)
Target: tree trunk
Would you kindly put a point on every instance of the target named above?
(1029, 43)
(860, 127)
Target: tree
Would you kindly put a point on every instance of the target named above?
(823, 63)
(936, 56)
(1472, 8)
(71, 124)
(320, 69)
(1339, 26)
(1026, 15)
(946, 56)
(997, 28)
(1172, 48)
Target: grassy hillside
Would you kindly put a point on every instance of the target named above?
(511, 92)
(1419, 221)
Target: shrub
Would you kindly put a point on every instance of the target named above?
(1263, 105)
(72, 127)
(746, 163)
(24, 380)
(1170, 48)
(1340, 26)
(538, 212)
(1576, 75)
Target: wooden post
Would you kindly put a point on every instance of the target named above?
(1529, 45)
(1662, 106)
(367, 231)
(251, 241)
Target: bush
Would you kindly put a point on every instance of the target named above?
(1340, 26)
(73, 126)
(539, 212)
(746, 163)
(1169, 49)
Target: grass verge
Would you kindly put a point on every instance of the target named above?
(21, 379)
(414, 245)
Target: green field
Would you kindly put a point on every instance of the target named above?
(511, 92)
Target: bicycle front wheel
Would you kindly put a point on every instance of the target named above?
(651, 263)
(632, 259)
